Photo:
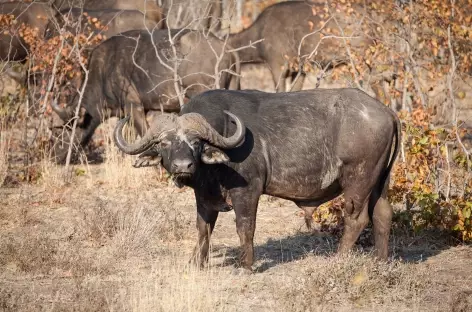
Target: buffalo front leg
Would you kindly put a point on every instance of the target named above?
(206, 220)
(89, 131)
(245, 208)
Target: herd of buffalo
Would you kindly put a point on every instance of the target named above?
(231, 145)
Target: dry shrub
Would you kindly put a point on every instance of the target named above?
(137, 229)
(127, 230)
(355, 281)
(132, 228)
(433, 179)
(52, 175)
(62, 56)
(140, 226)
(29, 253)
(101, 223)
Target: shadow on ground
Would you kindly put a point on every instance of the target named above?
(408, 248)
(278, 251)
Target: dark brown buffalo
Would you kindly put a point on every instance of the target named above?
(283, 26)
(127, 76)
(34, 15)
(77, 20)
(308, 147)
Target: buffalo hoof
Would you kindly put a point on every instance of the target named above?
(241, 272)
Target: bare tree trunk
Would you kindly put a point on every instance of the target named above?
(239, 13)
(67, 174)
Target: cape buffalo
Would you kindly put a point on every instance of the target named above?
(13, 47)
(114, 22)
(306, 146)
(127, 74)
(283, 26)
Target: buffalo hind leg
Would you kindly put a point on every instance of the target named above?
(360, 184)
(382, 222)
(381, 214)
(206, 220)
(356, 218)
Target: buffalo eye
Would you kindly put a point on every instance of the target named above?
(195, 142)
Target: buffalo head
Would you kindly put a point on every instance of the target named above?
(180, 144)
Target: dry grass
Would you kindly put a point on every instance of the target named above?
(127, 176)
(95, 246)
(28, 254)
(173, 286)
(98, 251)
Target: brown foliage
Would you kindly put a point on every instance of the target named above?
(434, 177)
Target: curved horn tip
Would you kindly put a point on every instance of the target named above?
(232, 115)
(121, 123)
(240, 134)
(125, 147)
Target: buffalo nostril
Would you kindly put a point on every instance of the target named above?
(181, 165)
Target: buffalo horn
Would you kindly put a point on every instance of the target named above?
(160, 125)
(196, 122)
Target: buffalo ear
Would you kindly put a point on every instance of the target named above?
(149, 158)
(213, 155)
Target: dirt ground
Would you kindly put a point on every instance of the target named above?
(118, 239)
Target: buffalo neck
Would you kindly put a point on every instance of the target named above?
(211, 179)
(244, 38)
